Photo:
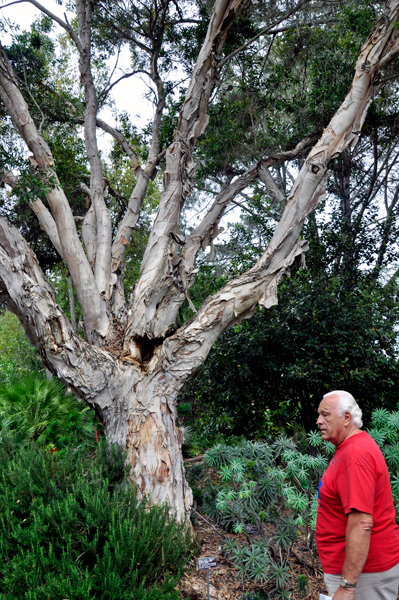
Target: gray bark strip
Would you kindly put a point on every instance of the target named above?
(42, 213)
(102, 267)
(72, 303)
(188, 348)
(272, 187)
(96, 320)
(89, 234)
(134, 160)
(130, 219)
(157, 265)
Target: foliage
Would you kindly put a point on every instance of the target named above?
(272, 487)
(269, 491)
(283, 89)
(302, 584)
(327, 332)
(69, 528)
(51, 98)
(335, 324)
(385, 432)
(249, 596)
(34, 408)
(17, 356)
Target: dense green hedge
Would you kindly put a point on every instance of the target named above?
(70, 529)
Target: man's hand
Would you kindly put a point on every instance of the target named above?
(344, 594)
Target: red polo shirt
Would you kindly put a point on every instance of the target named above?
(357, 478)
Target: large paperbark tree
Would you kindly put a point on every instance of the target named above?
(133, 362)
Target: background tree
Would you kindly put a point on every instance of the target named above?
(134, 360)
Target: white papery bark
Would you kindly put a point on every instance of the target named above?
(238, 299)
(159, 262)
(96, 320)
(136, 405)
(42, 213)
(102, 266)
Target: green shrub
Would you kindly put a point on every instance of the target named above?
(385, 431)
(17, 356)
(184, 409)
(274, 489)
(70, 528)
(38, 409)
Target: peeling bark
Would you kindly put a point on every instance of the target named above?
(102, 266)
(157, 266)
(96, 320)
(43, 215)
(238, 299)
(136, 405)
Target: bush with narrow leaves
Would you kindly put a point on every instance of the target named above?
(385, 432)
(71, 528)
(36, 409)
(272, 487)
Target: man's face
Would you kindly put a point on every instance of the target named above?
(330, 423)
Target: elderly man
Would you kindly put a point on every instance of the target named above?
(356, 534)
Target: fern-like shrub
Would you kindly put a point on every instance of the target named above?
(273, 487)
(39, 410)
(385, 432)
(70, 528)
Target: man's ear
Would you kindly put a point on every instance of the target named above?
(347, 416)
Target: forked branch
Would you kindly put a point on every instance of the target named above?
(158, 262)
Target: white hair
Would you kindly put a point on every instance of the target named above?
(346, 402)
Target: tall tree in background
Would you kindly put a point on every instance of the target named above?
(134, 361)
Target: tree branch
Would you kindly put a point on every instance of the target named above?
(186, 350)
(107, 90)
(102, 265)
(208, 229)
(43, 215)
(96, 320)
(157, 265)
(121, 140)
(60, 22)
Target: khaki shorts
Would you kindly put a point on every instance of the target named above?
(371, 586)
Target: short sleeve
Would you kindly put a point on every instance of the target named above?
(356, 487)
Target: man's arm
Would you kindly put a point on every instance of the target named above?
(357, 543)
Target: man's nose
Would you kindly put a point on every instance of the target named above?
(319, 420)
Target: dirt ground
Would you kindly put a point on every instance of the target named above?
(224, 585)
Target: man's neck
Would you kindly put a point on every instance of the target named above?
(353, 430)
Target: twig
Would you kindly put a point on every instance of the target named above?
(194, 459)
(213, 527)
(303, 561)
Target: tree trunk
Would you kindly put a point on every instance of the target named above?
(152, 439)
